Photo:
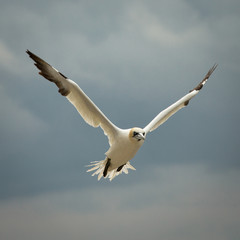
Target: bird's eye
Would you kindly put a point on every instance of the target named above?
(135, 133)
(144, 134)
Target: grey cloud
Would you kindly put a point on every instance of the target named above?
(139, 53)
(190, 204)
(133, 59)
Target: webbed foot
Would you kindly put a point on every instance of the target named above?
(120, 168)
(106, 167)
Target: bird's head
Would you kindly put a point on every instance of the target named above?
(137, 134)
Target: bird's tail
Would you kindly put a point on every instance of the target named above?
(99, 166)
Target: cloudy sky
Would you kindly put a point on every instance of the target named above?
(133, 58)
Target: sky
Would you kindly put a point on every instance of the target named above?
(133, 59)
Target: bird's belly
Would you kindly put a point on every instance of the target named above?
(120, 155)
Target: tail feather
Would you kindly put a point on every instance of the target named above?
(100, 165)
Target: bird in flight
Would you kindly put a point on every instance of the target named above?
(124, 143)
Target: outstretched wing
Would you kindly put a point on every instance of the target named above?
(168, 112)
(84, 105)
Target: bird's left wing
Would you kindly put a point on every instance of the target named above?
(84, 105)
(168, 112)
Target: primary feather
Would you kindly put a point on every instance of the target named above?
(84, 105)
(168, 112)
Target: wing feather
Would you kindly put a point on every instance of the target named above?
(168, 112)
(84, 105)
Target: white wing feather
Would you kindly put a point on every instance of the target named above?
(84, 105)
(168, 112)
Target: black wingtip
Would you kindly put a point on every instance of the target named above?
(209, 73)
(30, 54)
(211, 70)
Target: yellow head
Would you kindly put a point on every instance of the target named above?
(137, 134)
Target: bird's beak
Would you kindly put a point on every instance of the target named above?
(140, 136)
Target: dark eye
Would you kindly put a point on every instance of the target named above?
(135, 133)
(144, 134)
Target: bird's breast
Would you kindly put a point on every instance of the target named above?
(122, 151)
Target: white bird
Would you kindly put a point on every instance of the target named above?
(124, 143)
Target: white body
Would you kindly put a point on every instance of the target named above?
(124, 143)
(123, 149)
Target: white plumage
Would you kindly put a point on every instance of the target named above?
(124, 143)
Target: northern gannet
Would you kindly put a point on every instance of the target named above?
(124, 143)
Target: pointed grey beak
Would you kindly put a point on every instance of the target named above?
(140, 136)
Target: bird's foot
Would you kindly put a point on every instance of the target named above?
(120, 168)
(106, 167)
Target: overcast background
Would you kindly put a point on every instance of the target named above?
(133, 59)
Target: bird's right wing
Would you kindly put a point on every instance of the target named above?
(84, 105)
(168, 112)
